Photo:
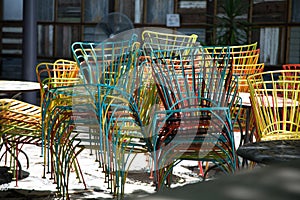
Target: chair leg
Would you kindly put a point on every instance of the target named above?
(16, 165)
(201, 173)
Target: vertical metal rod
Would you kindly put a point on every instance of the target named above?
(29, 46)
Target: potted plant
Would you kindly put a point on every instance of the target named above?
(232, 24)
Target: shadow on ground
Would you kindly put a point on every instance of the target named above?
(19, 194)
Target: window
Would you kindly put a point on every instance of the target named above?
(45, 10)
(269, 42)
(157, 11)
(138, 6)
(45, 40)
(12, 9)
(296, 11)
(276, 11)
(294, 56)
(94, 10)
(69, 11)
(65, 36)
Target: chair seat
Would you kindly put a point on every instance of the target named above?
(19, 118)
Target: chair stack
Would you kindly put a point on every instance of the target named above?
(245, 62)
(122, 96)
(49, 125)
(143, 94)
(20, 124)
(195, 124)
(60, 145)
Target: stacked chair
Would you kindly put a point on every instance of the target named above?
(49, 125)
(275, 104)
(20, 124)
(197, 93)
(291, 67)
(122, 97)
(154, 40)
(245, 62)
(60, 145)
(243, 71)
(166, 46)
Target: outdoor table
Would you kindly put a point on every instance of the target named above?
(270, 152)
(272, 182)
(17, 87)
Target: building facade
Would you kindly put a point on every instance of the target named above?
(274, 24)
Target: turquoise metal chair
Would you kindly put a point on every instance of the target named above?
(197, 92)
(118, 86)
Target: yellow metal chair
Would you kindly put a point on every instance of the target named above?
(245, 47)
(23, 123)
(57, 81)
(275, 104)
(153, 40)
(20, 123)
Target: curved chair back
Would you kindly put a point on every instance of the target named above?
(166, 41)
(243, 71)
(245, 58)
(291, 67)
(245, 47)
(58, 74)
(182, 77)
(275, 103)
(194, 89)
(104, 62)
(238, 50)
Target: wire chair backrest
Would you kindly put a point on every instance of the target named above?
(104, 62)
(61, 73)
(166, 41)
(235, 49)
(186, 80)
(245, 59)
(275, 99)
(243, 71)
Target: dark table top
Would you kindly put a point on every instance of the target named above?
(269, 152)
(272, 182)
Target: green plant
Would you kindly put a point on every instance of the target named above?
(232, 28)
